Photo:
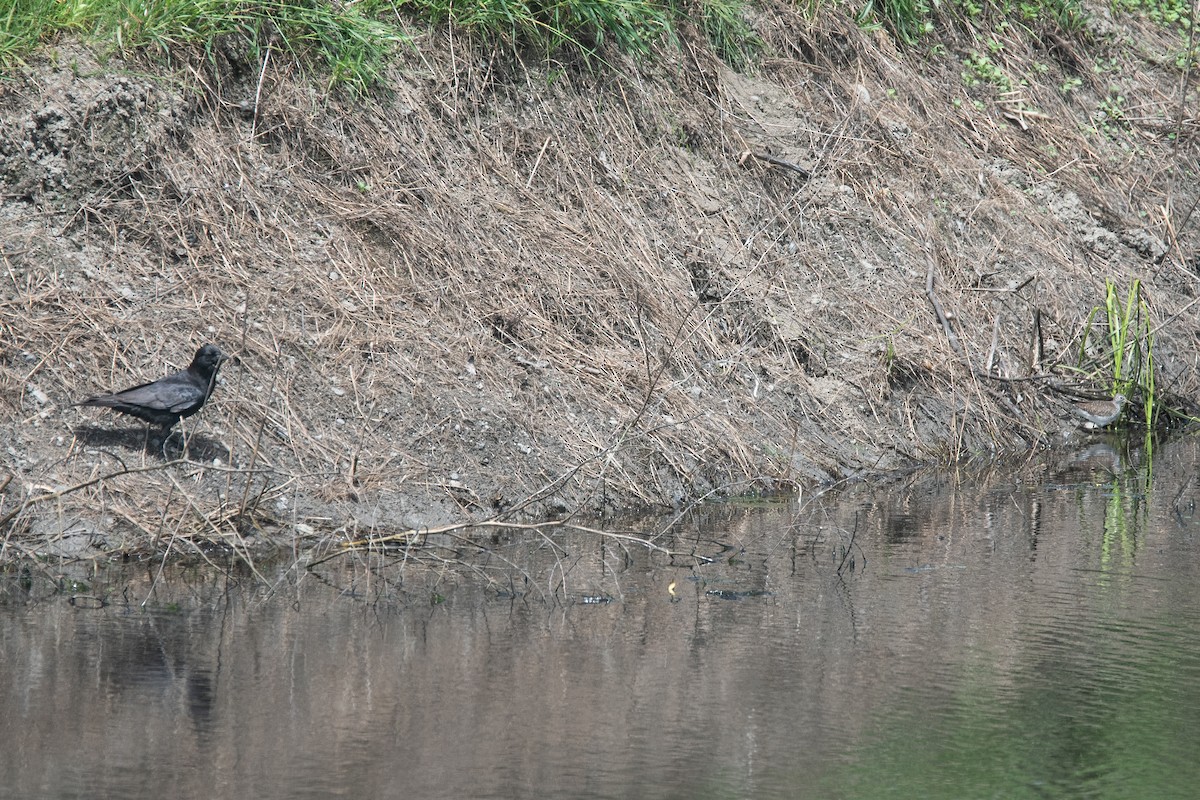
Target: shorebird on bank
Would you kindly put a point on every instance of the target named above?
(1098, 413)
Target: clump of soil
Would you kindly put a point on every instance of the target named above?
(534, 290)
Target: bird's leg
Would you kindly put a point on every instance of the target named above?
(146, 443)
(185, 439)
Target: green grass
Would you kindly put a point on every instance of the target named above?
(906, 20)
(726, 28)
(351, 41)
(910, 20)
(584, 24)
(1129, 365)
(1164, 12)
(25, 23)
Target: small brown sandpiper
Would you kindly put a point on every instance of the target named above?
(1098, 413)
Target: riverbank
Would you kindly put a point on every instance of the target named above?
(529, 290)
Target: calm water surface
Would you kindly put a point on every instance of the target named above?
(991, 636)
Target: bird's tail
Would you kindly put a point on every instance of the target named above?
(100, 401)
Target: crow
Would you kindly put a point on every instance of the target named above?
(166, 401)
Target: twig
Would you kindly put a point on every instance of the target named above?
(770, 159)
(256, 446)
(1155, 330)
(7, 518)
(407, 536)
(537, 161)
(995, 343)
(849, 548)
(937, 307)
(262, 73)
(1036, 343)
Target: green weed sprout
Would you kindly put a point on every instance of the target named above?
(1130, 351)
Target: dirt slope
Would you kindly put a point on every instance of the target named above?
(543, 288)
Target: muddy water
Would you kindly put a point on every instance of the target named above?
(986, 636)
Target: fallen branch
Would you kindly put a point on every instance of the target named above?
(937, 307)
(41, 498)
(772, 160)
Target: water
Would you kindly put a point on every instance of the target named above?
(993, 636)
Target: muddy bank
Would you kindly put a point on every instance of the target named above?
(495, 288)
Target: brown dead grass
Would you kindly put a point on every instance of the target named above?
(498, 290)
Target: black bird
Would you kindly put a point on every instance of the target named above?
(168, 400)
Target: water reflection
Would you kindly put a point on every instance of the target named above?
(995, 637)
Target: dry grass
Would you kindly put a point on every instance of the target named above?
(500, 292)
